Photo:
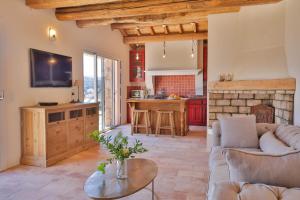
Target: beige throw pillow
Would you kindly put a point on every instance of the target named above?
(239, 132)
(271, 145)
(276, 170)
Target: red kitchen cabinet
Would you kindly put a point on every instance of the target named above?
(205, 63)
(137, 66)
(197, 112)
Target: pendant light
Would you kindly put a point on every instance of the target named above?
(193, 51)
(137, 55)
(164, 51)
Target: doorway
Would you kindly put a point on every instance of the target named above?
(102, 85)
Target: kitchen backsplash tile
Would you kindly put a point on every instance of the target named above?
(182, 85)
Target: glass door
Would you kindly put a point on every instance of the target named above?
(89, 76)
(117, 92)
(93, 82)
(100, 91)
(108, 93)
(102, 78)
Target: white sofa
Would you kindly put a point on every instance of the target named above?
(220, 186)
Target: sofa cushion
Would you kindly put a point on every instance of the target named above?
(244, 191)
(217, 156)
(290, 135)
(271, 145)
(218, 167)
(239, 132)
(260, 127)
(278, 170)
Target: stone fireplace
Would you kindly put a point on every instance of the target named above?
(240, 97)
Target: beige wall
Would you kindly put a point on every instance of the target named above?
(178, 55)
(292, 42)
(260, 42)
(23, 28)
(249, 43)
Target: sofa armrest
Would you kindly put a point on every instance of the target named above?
(216, 134)
(234, 191)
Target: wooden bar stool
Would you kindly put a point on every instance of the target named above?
(136, 118)
(171, 126)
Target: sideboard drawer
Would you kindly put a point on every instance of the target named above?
(56, 149)
(76, 136)
(56, 140)
(92, 123)
(56, 134)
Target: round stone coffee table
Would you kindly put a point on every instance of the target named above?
(141, 172)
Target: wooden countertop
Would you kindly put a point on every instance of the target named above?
(61, 106)
(136, 100)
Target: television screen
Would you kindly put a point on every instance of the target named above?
(50, 70)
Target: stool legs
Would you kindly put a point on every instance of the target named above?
(158, 123)
(171, 127)
(171, 118)
(132, 122)
(146, 123)
(149, 123)
(135, 121)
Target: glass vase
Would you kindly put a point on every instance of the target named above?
(122, 169)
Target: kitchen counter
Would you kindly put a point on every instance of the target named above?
(157, 100)
(178, 106)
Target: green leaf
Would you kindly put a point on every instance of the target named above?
(101, 167)
(117, 146)
(95, 135)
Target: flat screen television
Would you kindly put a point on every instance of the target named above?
(50, 69)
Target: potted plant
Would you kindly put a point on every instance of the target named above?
(120, 150)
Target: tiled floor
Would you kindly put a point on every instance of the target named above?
(182, 162)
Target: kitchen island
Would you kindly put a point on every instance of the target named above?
(178, 106)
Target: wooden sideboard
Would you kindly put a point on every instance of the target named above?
(53, 133)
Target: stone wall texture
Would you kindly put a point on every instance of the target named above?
(239, 102)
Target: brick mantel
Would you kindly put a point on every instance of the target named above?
(237, 97)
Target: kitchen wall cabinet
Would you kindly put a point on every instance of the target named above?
(137, 65)
(197, 112)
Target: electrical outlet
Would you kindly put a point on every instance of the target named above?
(1, 94)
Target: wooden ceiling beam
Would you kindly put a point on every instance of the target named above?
(48, 4)
(180, 28)
(166, 30)
(203, 24)
(124, 33)
(163, 37)
(177, 18)
(138, 32)
(146, 7)
(194, 27)
(152, 32)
